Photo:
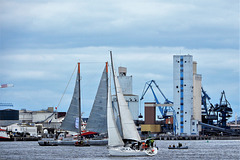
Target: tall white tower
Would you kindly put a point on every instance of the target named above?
(183, 95)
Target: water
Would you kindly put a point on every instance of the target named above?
(204, 150)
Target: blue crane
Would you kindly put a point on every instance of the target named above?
(163, 110)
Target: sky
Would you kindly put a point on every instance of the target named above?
(41, 42)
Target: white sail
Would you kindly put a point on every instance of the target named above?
(128, 127)
(114, 138)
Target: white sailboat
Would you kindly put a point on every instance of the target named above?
(129, 143)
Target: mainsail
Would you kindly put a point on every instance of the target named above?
(97, 121)
(114, 138)
(128, 127)
(73, 110)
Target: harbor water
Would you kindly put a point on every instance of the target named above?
(197, 149)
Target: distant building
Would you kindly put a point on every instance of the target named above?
(150, 124)
(48, 118)
(23, 128)
(186, 93)
(9, 114)
(8, 117)
(126, 85)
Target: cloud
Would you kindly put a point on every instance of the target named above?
(56, 24)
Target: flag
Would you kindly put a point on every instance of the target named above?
(50, 121)
(76, 122)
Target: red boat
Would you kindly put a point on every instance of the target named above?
(4, 136)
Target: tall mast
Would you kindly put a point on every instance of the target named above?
(116, 91)
(79, 101)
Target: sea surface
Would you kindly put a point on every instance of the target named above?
(199, 149)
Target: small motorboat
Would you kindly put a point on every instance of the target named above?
(81, 143)
(179, 146)
(186, 147)
(47, 143)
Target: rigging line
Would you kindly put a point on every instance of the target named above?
(67, 86)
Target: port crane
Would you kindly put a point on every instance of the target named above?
(224, 111)
(218, 112)
(209, 111)
(164, 109)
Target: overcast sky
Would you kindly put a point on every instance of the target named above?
(42, 41)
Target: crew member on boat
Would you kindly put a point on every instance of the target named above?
(179, 144)
(151, 142)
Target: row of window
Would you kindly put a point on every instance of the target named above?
(182, 85)
(193, 123)
(182, 90)
(182, 61)
(181, 112)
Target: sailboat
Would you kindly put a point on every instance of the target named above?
(73, 122)
(127, 142)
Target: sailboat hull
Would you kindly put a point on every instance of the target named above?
(128, 152)
(102, 142)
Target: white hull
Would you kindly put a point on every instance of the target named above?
(128, 152)
(3, 135)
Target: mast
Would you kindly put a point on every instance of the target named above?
(116, 91)
(79, 102)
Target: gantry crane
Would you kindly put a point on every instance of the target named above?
(224, 111)
(218, 113)
(162, 108)
(210, 114)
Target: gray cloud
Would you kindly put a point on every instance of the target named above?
(136, 23)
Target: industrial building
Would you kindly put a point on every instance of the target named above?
(150, 124)
(197, 96)
(8, 117)
(126, 85)
(187, 95)
(23, 128)
(48, 118)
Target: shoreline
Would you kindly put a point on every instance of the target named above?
(197, 138)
